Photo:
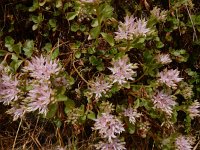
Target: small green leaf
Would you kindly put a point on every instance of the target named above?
(48, 47)
(109, 38)
(82, 28)
(69, 105)
(52, 110)
(58, 3)
(55, 53)
(74, 27)
(106, 11)
(141, 40)
(9, 42)
(2, 53)
(82, 109)
(34, 19)
(94, 32)
(40, 18)
(77, 54)
(34, 27)
(91, 50)
(159, 44)
(137, 103)
(14, 57)
(35, 6)
(17, 48)
(94, 23)
(131, 128)
(100, 67)
(61, 98)
(91, 115)
(71, 15)
(52, 23)
(71, 80)
(28, 48)
(174, 116)
(93, 60)
(115, 88)
(58, 123)
(42, 3)
(28, 87)
(15, 64)
(66, 6)
(83, 118)
(113, 51)
(127, 85)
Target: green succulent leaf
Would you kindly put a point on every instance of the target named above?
(94, 32)
(52, 110)
(109, 38)
(28, 48)
(9, 42)
(71, 15)
(69, 105)
(91, 115)
(55, 53)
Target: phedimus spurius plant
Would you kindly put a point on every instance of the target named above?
(102, 74)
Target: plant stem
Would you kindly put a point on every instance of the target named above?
(20, 123)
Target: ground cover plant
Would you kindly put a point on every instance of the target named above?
(99, 74)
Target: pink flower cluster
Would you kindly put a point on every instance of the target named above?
(132, 27)
(158, 14)
(170, 77)
(17, 112)
(163, 59)
(88, 1)
(183, 143)
(132, 114)
(163, 102)
(41, 69)
(116, 144)
(39, 98)
(98, 87)
(109, 127)
(122, 70)
(8, 88)
(194, 109)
